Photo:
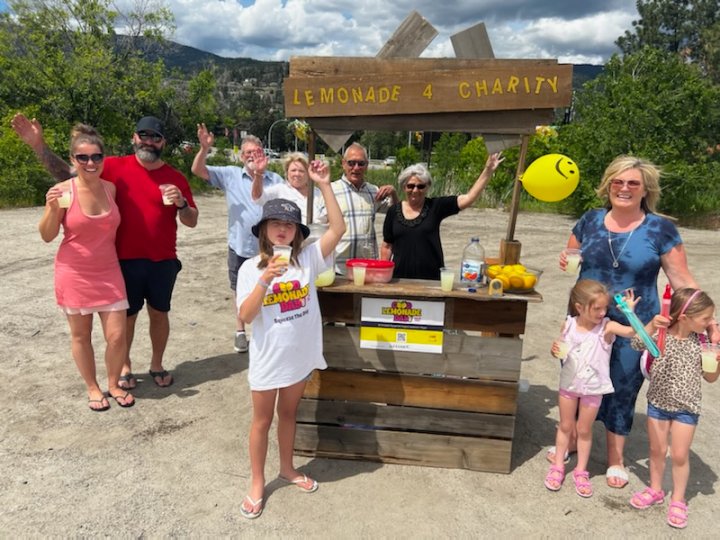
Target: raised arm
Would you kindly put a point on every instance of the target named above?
(320, 174)
(31, 133)
(491, 164)
(199, 165)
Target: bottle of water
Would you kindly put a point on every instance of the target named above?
(472, 267)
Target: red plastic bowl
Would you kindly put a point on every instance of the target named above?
(377, 271)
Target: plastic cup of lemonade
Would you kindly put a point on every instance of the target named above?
(574, 259)
(66, 198)
(359, 273)
(167, 201)
(709, 357)
(447, 277)
(285, 253)
(563, 349)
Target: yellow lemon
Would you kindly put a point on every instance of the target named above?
(519, 268)
(493, 270)
(505, 280)
(516, 281)
(507, 269)
(529, 280)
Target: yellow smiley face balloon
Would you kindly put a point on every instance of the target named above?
(551, 177)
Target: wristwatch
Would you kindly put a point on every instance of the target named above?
(185, 204)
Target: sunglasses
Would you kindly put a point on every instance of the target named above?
(631, 184)
(85, 158)
(412, 187)
(145, 136)
(356, 163)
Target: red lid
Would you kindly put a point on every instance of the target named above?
(371, 263)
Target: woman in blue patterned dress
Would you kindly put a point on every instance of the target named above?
(625, 245)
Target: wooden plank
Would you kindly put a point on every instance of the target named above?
(506, 316)
(477, 454)
(413, 390)
(476, 357)
(505, 122)
(491, 89)
(411, 37)
(351, 413)
(349, 66)
(472, 42)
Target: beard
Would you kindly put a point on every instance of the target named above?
(147, 153)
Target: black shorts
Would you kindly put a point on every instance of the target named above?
(149, 280)
(235, 261)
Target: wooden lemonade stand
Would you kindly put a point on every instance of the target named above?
(454, 406)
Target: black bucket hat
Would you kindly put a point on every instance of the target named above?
(283, 210)
(150, 123)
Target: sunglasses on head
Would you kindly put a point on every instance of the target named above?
(356, 163)
(412, 187)
(145, 136)
(85, 158)
(631, 184)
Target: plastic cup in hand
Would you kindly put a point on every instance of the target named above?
(709, 357)
(167, 201)
(574, 258)
(447, 277)
(563, 349)
(359, 274)
(285, 253)
(65, 199)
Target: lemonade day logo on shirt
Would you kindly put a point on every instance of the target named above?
(288, 295)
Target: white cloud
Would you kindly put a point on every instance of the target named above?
(572, 31)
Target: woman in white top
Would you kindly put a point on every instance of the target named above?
(296, 188)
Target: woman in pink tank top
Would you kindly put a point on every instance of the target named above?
(87, 272)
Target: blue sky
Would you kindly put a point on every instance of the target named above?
(575, 31)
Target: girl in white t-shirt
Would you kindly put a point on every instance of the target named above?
(587, 337)
(279, 299)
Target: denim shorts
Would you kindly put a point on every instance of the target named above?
(684, 417)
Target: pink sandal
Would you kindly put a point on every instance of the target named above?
(647, 498)
(555, 478)
(677, 515)
(583, 487)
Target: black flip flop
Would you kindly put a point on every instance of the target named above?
(101, 409)
(162, 374)
(128, 378)
(118, 398)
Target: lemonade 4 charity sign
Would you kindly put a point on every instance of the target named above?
(402, 325)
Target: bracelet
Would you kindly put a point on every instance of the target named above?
(264, 284)
(185, 204)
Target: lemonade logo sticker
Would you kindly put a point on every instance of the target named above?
(402, 311)
(289, 295)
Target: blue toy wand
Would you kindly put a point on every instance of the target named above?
(638, 326)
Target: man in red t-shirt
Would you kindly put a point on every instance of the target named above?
(146, 237)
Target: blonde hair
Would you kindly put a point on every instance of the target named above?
(85, 134)
(650, 175)
(292, 158)
(700, 302)
(586, 292)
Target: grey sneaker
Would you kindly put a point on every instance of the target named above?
(241, 342)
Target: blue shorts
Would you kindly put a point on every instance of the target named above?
(149, 280)
(684, 417)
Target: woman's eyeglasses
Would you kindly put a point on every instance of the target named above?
(145, 136)
(356, 163)
(412, 187)
(631, 184)
(85, 158)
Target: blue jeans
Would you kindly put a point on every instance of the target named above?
(684, 417)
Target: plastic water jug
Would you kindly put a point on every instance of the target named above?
(472, 266)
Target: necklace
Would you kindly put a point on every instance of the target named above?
(615, 259)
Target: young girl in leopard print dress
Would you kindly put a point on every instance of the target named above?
(674, 400)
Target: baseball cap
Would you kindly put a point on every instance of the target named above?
(283, 210)
(150, 123)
